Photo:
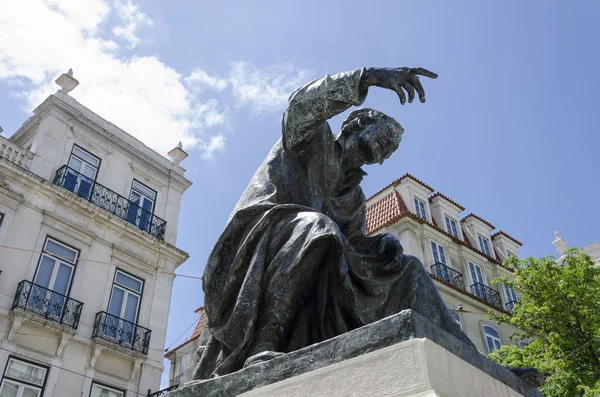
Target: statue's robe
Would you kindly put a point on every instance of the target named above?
(301, 198)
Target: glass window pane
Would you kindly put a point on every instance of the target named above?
(131, 308)
(85, 156)
(129, 282)
(143, 189)
(75, 163)
(44, 273)
(9, 389)
(89, 171)
(116, 302)
(101, 391)
(30, 392)
(27, 372)
(63, 252)
(63, 277)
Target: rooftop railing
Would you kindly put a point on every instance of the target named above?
(15, 153)
(110, 201)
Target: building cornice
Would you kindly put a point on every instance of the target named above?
(449, 200)
(511, 238)
(480, 219)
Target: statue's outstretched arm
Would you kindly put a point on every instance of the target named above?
(314, 103)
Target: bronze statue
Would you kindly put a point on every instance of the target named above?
(294, 266)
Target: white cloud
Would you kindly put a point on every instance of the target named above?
(132, 18)
(201, 79)
(141, 94)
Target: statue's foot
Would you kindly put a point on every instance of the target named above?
(262, 357)
(532, 376)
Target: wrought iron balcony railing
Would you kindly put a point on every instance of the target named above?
(48, 304)
(110, 201)
(447, 274)
(510, 305)
(488, 294)
(122, 332)
(162, 392)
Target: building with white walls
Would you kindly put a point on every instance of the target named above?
(462, 254)
(88, 231)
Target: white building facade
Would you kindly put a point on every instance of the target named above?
(88, 229)
(461, 254)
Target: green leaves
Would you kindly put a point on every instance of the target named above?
(560, 311)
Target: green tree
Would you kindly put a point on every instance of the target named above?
(559, 312)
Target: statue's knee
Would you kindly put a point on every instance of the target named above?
(413, 264)
(318, 220)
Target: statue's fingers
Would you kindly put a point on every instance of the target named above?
(417, 84)
(423, 72)
(410, 89)
(400, 93)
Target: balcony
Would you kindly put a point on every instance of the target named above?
(15, 153)
(447, 274)
(162, 392)
(121, 332)
(47, 304)
(110, 201)
(487, 294)
(510, 305)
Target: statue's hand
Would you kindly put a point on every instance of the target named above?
(399, 80)
(390, 246)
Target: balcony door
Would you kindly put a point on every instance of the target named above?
(52, 279)
(82, 171)
(124, 305)
(477, 280)
(142, 205)
(439, 257)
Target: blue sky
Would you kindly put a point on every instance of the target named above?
(509, 129)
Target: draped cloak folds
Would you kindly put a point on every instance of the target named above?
(298, 196)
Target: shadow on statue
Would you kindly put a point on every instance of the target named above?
(294, 265)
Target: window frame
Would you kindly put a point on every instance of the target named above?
(91, 154)
(507, 297)
(488, 250)
(438, 246)
(417, 200)
(104, 385)
(140, 294)
(509, 253)
(492, 337)
(475, 266)
(447, 221)
(41, 388)
(180, 359)
(133, 182)
(73, 264)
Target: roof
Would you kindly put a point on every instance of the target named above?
(508, 236)
(448, 199)
(195, 335)
(399, 180)
(392, 208)
(472, 215)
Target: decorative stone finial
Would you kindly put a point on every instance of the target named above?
(177, 153)
(559, 243)
(67, 82)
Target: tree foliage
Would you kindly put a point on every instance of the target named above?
(559, 312)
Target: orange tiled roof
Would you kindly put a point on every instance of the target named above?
(447, 199)
(385, 212)
(472, 215)
(508, 236)
(195, 335)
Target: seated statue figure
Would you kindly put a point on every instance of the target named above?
(294, 265)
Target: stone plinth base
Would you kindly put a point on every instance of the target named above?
(401, 355)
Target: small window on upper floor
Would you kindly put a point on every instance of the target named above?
(141, 209)
(438, 252)
(484, 245)
(451, 227)
(510, 253)
(492, 338)
(420, 208)
(84, 162)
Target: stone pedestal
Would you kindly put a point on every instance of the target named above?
(401, 355)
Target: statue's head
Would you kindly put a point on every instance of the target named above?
(370, 136)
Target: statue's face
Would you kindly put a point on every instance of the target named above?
(376, 143)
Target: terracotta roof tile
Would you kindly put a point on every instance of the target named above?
(438, 194)
(385, 212)
(472, 215)
(195, 335)
(507, 236)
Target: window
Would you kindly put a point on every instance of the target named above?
(142, 205)
(182, 363)
(420, 209)
(522, 344)
(478, 286)
(123, 305)
(492, 338)
(22, 379)
(510, 296)
(451, 227)
(1, 218)
(100, 390)
(484, 245)
(510, 253)
(455, 316)
(82, 172)
(439, 254)
(52, 279)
